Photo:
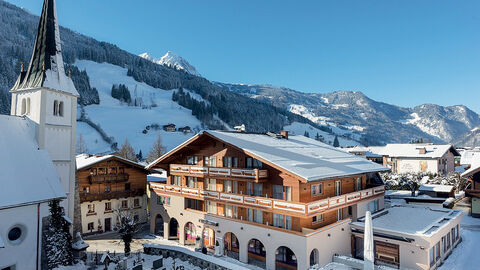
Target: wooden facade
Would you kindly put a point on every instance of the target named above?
(259, 185)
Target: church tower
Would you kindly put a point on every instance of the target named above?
(48, 97)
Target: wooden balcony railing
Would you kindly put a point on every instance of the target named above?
(294, 208)
(108, 178)
(88, 197)
(219, 171)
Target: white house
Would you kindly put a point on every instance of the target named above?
(29, 181)
(45, 95)
(417, 158)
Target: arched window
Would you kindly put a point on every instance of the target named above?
(55, 107)
(60, 108)
(28, 106)
(314, 257)
(24, 107)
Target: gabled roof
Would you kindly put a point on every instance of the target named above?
(473, 170)
(436, 188)
(307, 158)
(412, 150)
(46, 68)
(27, 173)
(85, 161)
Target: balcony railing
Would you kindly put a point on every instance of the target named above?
(295, 208)
(219, 171)
(108, 178)
(86, 197)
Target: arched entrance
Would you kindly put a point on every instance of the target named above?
(285, 259)
(231, 245)
(190, 234)
(209, 238)
(314, 257)
(256, 253)
(159, 225)
(173, 232)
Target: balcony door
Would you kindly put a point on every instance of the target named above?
(338, 188)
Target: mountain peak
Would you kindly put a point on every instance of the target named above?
(172, 60)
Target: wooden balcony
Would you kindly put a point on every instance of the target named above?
(275, 205)
(472, 193)
(193, 170)
(108, 178)
(89, 197)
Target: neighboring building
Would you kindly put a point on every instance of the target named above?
(437, 191)
(423, 242)
(29, 181)
(371, 153)
(273, 201)
(169, 128)
(45, 95)
(418, 158)
(157, 176)
(185, 129)
(108, 184)
(473, 188)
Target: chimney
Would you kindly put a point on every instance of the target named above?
(422, 150)
(284, 134)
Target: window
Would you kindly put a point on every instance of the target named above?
(108, 206)
(28, 106)
(55, 107)
(127, 186)
(231, 211)
(102, 171)
(432, 256)
(444, 244)
(108, 188)
(249, 188)
(253, 163)
(317, 219)
(60, 108)
(278, 192)
(162, 200)
(124, 204)
(177, 180)
(255, 215)
(288, 193)
(230, 162)
(112, 170)
(14, 234)
(288, 222)
(338, 188)
(211, 207)
(256, 247)
(373, 206)
(211, 184)
(192, 182)
(210, 161)
(458, 231)
(136, 202)
(24, 107)
(90, 226)
(257, 189)
(278, 220)
(437, 251)
(448, 240)
(230, 186)
(86, 189)
(453, 235)
(192, 160)
(93, 171)
(91, 208)
(358, 184)
(317, 189)
(339, 214)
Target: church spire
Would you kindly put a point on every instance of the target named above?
(46, 68)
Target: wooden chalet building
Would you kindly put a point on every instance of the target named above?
(276, 201)
(473, 188)
(108, 184)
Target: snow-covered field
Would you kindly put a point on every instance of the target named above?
(300, 128)
(122, 121)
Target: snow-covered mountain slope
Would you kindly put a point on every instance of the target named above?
(122, 121)
(315, 133)
(377, 122)
(172, 60)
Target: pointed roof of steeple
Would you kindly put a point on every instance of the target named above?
(46, 69)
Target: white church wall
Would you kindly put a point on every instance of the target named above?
(65, 118)
(57, 142)
(32, 111)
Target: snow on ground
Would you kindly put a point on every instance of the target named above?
(300, 128)
(93, 140)
(122, 121)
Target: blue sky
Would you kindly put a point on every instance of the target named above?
(404, 52)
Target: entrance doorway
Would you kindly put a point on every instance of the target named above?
(108, 224)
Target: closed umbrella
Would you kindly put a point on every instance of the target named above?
(368, 249)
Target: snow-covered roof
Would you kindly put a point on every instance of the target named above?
(86, 160)
(426, 220)
(27, 173)
(470, 157)
(436, 188)
(368, 151)
(307, 158)
(473, 169)
(414, 150)
(157, 177)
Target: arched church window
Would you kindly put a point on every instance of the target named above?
(60, 108)
(55, 107)
(24, 106)
(28, 106)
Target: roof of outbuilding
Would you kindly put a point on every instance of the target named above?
(307, 158)
(413, 150)
(85, 160)
(27, 172)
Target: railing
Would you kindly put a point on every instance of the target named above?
(219, 171)
(84, 197)
(272, 204)
(106, 178)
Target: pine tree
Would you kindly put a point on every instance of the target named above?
(127, 151)
(140, 155)
(306, 134)
(81, 145)
(157, 150)
(336, 143)
(58, 241)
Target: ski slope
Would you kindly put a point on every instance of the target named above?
(300, 128)
(121, 121)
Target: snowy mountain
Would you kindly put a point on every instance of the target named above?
(173, 60)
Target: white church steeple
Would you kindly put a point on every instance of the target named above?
(46, 95)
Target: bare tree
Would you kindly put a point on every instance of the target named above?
(127, 151)
(81, 145)
(157, 150)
